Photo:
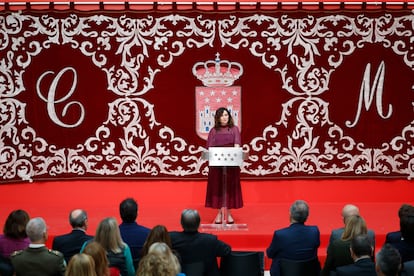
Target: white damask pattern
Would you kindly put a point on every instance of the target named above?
(148, 148)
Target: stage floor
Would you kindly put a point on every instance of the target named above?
(266, 204)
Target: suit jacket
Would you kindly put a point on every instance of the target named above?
(38, 261)
(406, 250)
(195, 247)
(71, 243)
(134, 235)
(338, 255)
(296, 242)
(337, 233)
(362, 267)
(392, 237)
(408, 269)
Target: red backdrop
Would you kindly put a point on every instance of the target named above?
(112, 94)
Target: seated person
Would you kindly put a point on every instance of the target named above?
(296, 242)
(388, 261)
(193, 246)
(361, 252)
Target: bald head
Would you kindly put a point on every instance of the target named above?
(349, 210)
(78, 218)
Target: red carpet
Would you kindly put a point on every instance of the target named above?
(266, 204)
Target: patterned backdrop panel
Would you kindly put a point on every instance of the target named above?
(127, 94)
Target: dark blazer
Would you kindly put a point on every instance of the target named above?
(337, 233)
(71, 243)
(406, 250)
(338, 255)
(392, 237)
(38, 261)
(408, 269)
(195, 247)
(296, 242)
(134, 235)
(362, 267)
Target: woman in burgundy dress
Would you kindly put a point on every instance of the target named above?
(224, 134)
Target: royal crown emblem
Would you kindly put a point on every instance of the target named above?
(217, 72)
(218, 77)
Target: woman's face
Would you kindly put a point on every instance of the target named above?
(224, 118)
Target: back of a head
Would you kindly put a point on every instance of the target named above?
(299, 211)
(98, 253)
(405, 209)
(15, 226)
(158, 233)
(348, 211)
(355, 225)
(77, 218)
(164, 251)
(108, 235)
(361, 245)
(36, 229)
(154, 265)
(190, 220)
(81, 265)
(388, 261)
(128, 210)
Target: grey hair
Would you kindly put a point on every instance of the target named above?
(36, 228)
(299, 211)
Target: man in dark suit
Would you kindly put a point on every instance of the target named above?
(347, 211)
(132, 233)
(71, 243)
(403, 211)
(37, 259)
(195, 247)
(388, 261)
(361, 252)
(296, 242)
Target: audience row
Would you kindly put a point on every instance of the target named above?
(130, 249)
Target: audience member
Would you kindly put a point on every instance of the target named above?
(296, 242)
(71, 243)
(395, 236)
(347, 211)
(338, 251)
(388, 261)
(193, 246)
(361, 252)
(117, 251)
(153, 265)
(98, 253)
(170, 263)
(37, 259)
(405, 245)
(13, 238)
(132, 233)
(158, 233)
(81, 265)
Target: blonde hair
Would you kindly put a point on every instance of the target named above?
(154, 265)
(108, 235)
(164, 251)
(98, 253)
(81, 265)
(355, 225)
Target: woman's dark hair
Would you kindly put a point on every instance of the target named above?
(157, 234)
(218, 114)
(15, 226)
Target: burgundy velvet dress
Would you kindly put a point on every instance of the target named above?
(224, 137)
